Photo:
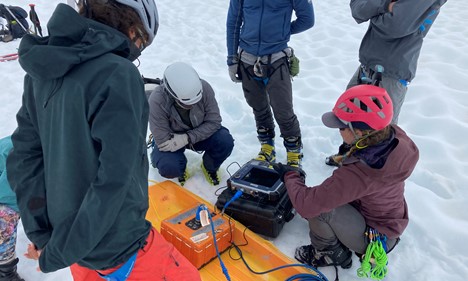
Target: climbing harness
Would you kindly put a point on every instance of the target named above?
(374, 262)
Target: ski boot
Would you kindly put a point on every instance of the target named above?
(7, 38)
(267, 140)
(336, 255)
(182, 179)
(294, 151)
(8, 271)
(211, 177)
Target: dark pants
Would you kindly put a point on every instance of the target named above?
(217, 148)
(344, 224)
(274, 91)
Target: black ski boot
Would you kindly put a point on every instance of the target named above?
(182, 179)
(8, 271)
(211, 176)
(337, 255)
(7, 38)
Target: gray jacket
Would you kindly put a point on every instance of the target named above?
(164, 119)
(394, 39)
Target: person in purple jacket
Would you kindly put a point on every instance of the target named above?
(366, 192)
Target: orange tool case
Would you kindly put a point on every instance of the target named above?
(195, 241)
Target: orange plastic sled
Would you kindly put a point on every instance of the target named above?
(167, 198)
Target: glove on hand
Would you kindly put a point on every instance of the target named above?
(177, 142)
(283, 169)
(233, 73)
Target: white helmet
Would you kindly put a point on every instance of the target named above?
(183, 83)
(148, 13)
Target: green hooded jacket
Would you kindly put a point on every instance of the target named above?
(79, 165)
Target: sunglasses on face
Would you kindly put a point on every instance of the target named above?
(143, 41)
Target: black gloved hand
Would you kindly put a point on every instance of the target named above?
(283, 169)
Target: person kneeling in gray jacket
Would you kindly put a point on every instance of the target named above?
(184, 114)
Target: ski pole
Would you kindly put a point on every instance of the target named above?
(35, 20)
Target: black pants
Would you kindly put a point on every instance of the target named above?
(273, 92)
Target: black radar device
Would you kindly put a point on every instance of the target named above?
(257, 179)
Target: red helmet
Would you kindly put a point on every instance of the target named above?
(366, 104)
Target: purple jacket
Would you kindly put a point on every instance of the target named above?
(378, 194)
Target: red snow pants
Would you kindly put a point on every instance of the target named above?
(158, 260)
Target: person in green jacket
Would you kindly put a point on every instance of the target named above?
(79, 165)
(9, 217)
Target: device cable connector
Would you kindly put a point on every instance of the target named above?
(201, 208)
(234, 198)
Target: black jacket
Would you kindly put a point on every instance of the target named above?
(79, 165)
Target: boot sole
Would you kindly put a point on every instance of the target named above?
(347, 264)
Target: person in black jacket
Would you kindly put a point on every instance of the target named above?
(79, 165)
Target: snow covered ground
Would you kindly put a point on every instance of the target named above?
(435, 115)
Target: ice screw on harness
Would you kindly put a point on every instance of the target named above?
(378, 75)
(377, 270)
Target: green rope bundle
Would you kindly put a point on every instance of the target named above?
(378, 270)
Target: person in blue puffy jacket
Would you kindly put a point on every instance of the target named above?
(9, 217)
(257, 37)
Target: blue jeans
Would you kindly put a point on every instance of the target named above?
(217, 148)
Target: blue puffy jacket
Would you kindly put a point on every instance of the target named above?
(7, 196)
(263, 27)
